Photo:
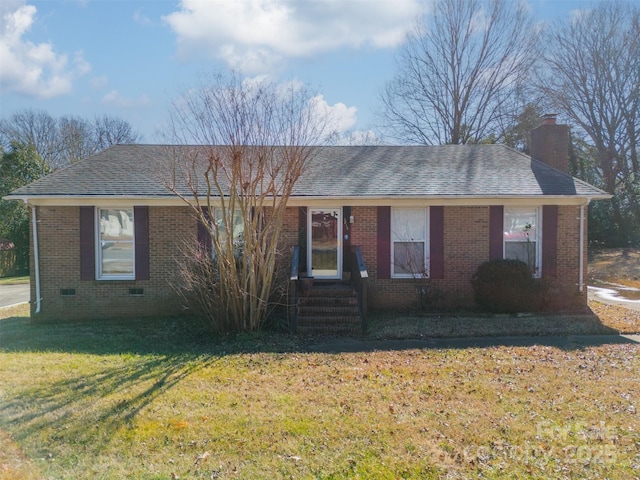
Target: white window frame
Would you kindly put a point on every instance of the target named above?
(537, 238)
(98, 246)
(425, 271)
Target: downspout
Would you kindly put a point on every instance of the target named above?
(36, 261)
(581, 272)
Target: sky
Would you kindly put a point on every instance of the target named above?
(130, 58)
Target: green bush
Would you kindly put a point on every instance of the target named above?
(506, 286)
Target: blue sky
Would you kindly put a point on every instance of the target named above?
(130, 58)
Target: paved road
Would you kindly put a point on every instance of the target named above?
(12, 294)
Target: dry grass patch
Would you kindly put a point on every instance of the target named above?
(14, 465)
(615, 265)
(603, 319)
(620, 319)
(442, 326)
(21, 310)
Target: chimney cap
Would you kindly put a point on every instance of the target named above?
(549, 118)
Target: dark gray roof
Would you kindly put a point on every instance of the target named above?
(362, 171)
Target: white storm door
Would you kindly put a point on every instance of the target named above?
(324, 227)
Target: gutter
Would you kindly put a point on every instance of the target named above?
(581, 249)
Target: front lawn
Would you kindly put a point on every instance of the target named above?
(158, 400)
(14, 280)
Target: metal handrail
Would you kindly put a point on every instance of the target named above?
(295, 260)
(360, 277)
(293, 287)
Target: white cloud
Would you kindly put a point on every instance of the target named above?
(116, 99)
(255, 35)
(28, 68)
(339, 118)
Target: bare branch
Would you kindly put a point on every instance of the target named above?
(459, 71)
(250, 142)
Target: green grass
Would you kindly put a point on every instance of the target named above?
(14, 280)
(150, 399)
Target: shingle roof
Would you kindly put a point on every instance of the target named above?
(362, 171)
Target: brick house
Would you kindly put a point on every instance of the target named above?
(107, 235)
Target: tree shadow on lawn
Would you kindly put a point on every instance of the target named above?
(107, 373)
(108, 398)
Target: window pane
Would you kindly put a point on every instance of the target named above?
(238, 224)
(238, 231)
(117, 258)
(524, 251)
(116, 224)
(520, 224)
(408, 258)
(409, 224)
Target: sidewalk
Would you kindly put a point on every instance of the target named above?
(569, 342)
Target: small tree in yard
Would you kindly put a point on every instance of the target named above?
(253, 139)
(19, 165)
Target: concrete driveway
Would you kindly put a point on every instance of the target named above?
(13, 294)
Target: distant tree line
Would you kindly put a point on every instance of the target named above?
(60, 141)
(474, 71)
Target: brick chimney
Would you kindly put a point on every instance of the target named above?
(550, 143)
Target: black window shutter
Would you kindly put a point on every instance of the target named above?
(204, 237)
(87, 244)
(436, 242)
(496, 232)
(141, 226)
(549, 241)
(302, 238)
(383, 249)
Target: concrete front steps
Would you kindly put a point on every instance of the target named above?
(329, 309)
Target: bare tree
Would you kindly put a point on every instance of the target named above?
(518, 135)
(75, 138)
(253, 140)
(109, 131)
(593, 76)
(460, 72)
(66, 139)
(33, 128)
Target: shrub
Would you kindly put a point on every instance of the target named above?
(505, 286)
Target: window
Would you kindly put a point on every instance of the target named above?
(522, 236)
(237, 221)
(115, 244)
(409, 242)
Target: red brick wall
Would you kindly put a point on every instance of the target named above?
(289, 236)
(59, 249)
(566, 284)
(466, 240)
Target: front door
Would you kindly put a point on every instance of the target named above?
(324, 245)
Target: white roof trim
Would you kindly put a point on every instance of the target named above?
(469, 200)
